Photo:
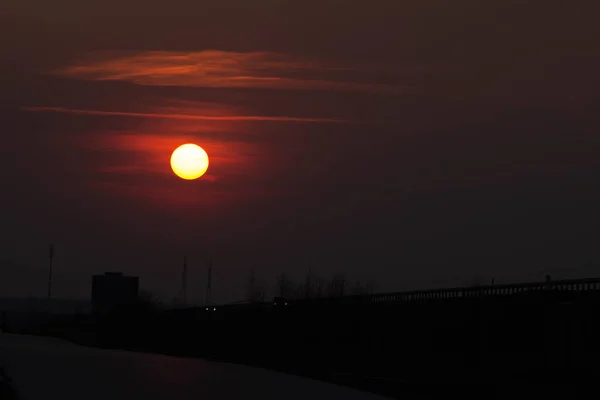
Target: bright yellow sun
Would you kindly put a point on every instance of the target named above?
(189, 161)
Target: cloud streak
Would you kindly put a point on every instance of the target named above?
(219, 69)
(182, 116)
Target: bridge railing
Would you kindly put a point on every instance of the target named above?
(574, 285)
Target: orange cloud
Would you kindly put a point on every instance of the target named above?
(182, 116)
(218, 69)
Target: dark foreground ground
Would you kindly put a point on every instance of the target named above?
(49, 368)
(545, 345)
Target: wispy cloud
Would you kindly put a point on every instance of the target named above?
(219, 69)
(183, 116)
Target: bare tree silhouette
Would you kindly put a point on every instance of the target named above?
(148, 300)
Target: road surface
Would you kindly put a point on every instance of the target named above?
(43, 368)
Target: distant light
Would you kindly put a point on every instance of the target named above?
(215, 309)
(206, 308)
(286, 304)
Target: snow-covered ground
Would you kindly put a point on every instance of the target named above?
(43, 368)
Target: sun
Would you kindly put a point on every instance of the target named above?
(189, 161)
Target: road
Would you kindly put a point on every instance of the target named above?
(43, 368)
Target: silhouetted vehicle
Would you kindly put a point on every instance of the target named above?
(280, 302)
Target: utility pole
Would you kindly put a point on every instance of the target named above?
(184, 281)
(251, 285)
(208, 283)
(307, 289)
(51, 257)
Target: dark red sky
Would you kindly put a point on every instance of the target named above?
(410, 143)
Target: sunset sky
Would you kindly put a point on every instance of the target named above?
(407, 143)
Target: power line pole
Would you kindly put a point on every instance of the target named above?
(251, 285)
(184, 281)
(51, 257)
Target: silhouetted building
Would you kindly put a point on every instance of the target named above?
(113, 289)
